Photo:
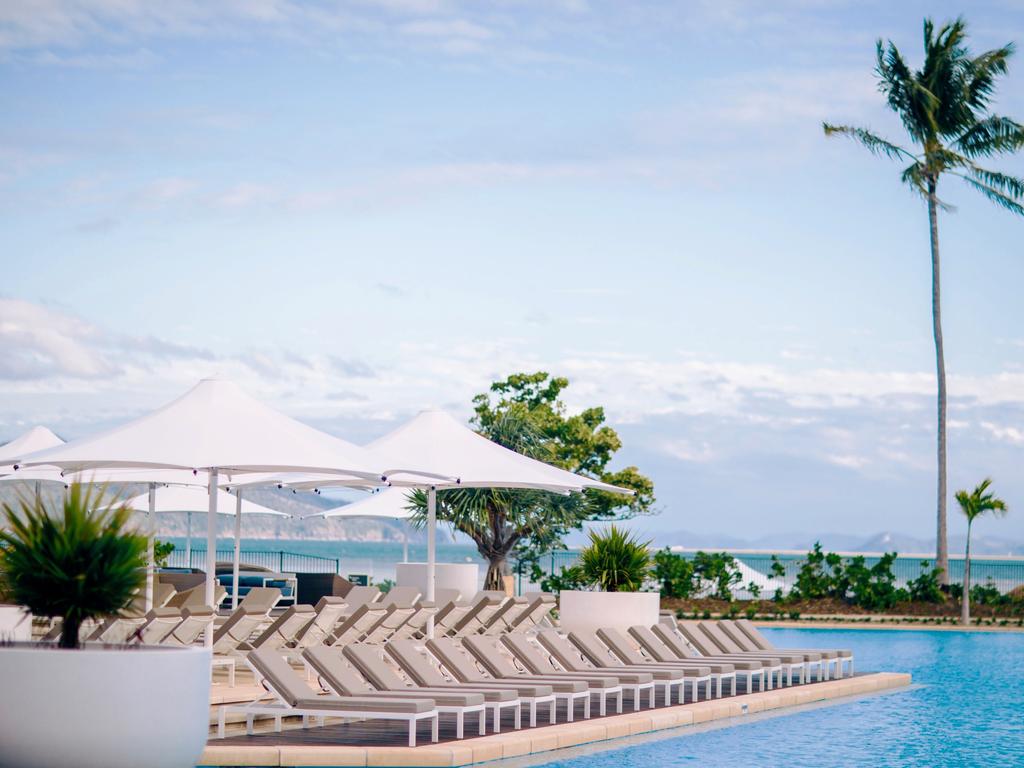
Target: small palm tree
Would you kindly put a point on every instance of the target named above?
(974, 505)
(81, 562)
(615, 561)
(944, 108)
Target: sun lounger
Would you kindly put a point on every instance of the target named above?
(452, 613)
(371, 663)
(261, 600)
(600, 656)
(673, 646)
(328, 612)
(404, 595)
(461, 667)
(237, 629)
(628, 653)
(416, 625)
(700, 641)
(196, 597)
(532, 612)
(811, 660)
(829, 656)
(790, 662)
(337, 677)
(160, 622)
(117, 631)
(538, 662)
(194, 621)
(361, 596)
(481, 608)
(355, 625)
(418, 667)
(570, 659)
(396, 613)
(295, 698)
(286, 627)
(495, 659)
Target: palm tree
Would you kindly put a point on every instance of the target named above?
(974, 505)
(944, 108)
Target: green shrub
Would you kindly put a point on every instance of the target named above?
(873, 588)
(83, 564)
(161, 551)
(675, 573)
(568, 578)
(615, 561)
(926, 588)
(717, 571)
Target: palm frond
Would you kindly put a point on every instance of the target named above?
(992, 135)
(1011, 202)
(874, 144)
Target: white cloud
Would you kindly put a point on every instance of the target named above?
(684, 450)
(849, 461)
(1004, 433)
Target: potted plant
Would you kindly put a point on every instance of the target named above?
(615, 565)
(90, 705)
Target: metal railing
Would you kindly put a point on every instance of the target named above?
(1004, 573)
(278, 561)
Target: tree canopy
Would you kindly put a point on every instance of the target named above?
(525, 413)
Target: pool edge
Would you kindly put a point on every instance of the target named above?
(552, 737)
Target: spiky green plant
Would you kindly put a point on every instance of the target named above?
(615, 561)
(974, 505)
(79, 562)
(944, 107)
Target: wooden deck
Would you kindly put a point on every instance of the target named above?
(383, 744)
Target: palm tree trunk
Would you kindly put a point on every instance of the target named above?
(941, 545)
(965, 602)
(497, 571)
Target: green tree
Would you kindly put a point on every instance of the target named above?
(524, 413)
(974, 505)
(944, 107)
(85, 563)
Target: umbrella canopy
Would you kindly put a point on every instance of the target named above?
(390, 503)
(214, 426)
(36, 439)
(193, 499)
(435, 441)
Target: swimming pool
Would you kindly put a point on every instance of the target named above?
(967, 710)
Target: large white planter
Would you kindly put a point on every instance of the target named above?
(594, 610)
(465, 577)
(103, 707)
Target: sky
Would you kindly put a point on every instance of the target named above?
(359, 209)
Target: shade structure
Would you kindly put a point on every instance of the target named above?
(38, 438)
(436, 442)
(218, 428)
(195, 499)
(389, 503)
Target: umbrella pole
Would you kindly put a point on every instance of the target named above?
(405, 541)
(431, 553)
(188, 539)
(211, 551)
(238, 548)
(150, 553)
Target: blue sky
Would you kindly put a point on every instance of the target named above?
(359, 209)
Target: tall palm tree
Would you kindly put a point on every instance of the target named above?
(944, 108)
(974, 505)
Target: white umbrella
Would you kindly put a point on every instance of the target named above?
(390, 503)
(218, 428)
(436, 442)
(36, 439)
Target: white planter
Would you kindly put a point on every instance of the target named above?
(103, 707)
(465, 577)
(15, 624)
(594, 610)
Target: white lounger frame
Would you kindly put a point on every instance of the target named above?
(279, 709)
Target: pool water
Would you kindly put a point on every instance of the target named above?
(967, 709)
